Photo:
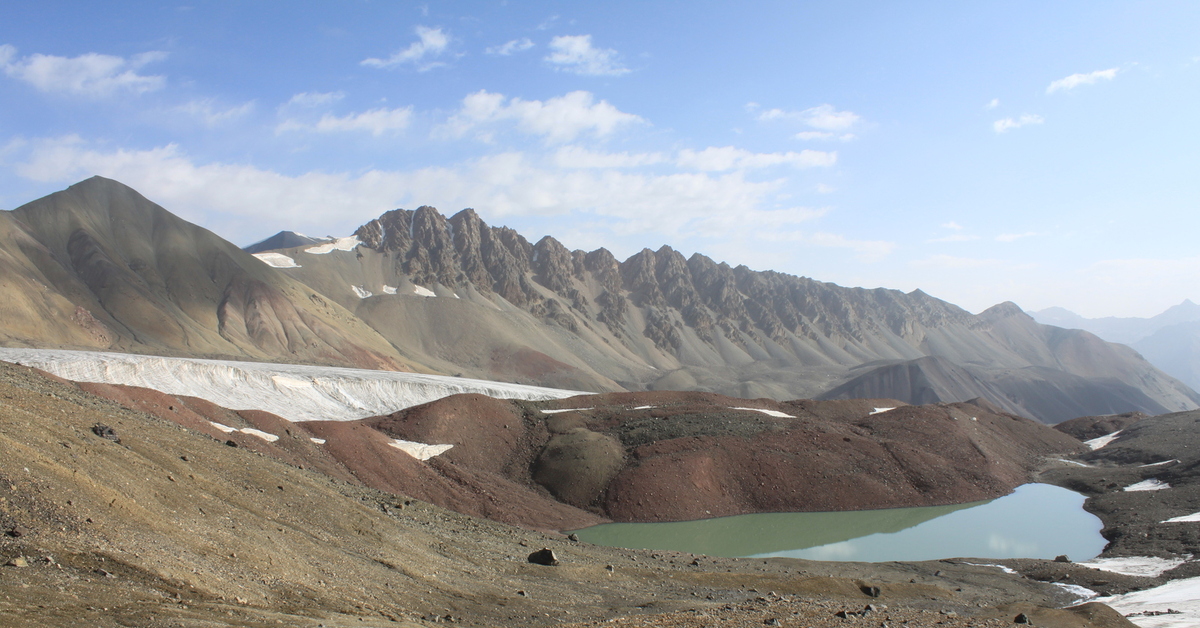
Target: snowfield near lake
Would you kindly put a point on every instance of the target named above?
(295, 392)
(1146, 566)
(775, 413)
(1178, 595)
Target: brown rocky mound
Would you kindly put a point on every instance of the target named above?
(665, 456)
(654, 456)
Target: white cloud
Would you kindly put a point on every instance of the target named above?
(510, 47)
(575, 54)
(1075, 80)
(716, 159)
(432, 42)
(956, 237)
(825, 189)
(1012, 237)
(824, 117)
(952, 225)
(559, 119)
(865, 250)
(993, 103)
(231, 197)
(1007, 124)
(573, 157)
(376, 121)
(211, 115)
(953, 262)
(314, 99)
(93, 75)
(815, 135)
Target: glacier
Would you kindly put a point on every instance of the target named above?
(293, 391)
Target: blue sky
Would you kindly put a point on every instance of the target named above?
(1043, 153)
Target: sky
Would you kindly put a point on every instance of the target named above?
(1042, 153)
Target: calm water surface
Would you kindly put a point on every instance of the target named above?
(1035, 521)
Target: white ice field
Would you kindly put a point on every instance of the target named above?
(295, 392)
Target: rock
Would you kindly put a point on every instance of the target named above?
(106, 432)
(870, 590)
(772, 622)
(231, 443)
(544, 556)
(574, 538)
(1022, 619)
(1062, 558)
(17, 531)
(17, 562)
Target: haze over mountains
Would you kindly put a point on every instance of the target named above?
(1170, 340)
(98, 266)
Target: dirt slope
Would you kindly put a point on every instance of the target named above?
(171, 527)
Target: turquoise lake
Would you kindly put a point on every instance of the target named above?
(1035, 521)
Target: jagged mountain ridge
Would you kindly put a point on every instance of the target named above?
(708, 326)
(98, 266)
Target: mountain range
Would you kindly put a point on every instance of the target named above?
(98, 266)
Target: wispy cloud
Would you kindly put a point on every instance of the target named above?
(1012, 237)
(951, 261)
(208, 112)
(955, 237)
(1075, 80)
(510, 47)
(559, 119)
(829, 123)
(574, 157)
(431, 43)
(992, 104)
(376, 122)
(575, 54)
(91, 75)
(718, 159)
(1004, 125)
(315, 99)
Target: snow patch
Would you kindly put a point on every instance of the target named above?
(294, 392)
(1097, 443)
(1184, 518)
(277, 260)
(566, 410)
(362, 292)
(1148, 485)
(1147, 566)
(420, 451)
(423, 291)
(334, 244)
(319, 441)
(1181, 596)
(879, 411)
(1007, 570)
(389, 289)
(645, 407)
(1155, 464)
(270, 438)
(774, 413)
(1072, 462)
(1082, 594)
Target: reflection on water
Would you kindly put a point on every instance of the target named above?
(1035, 521)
